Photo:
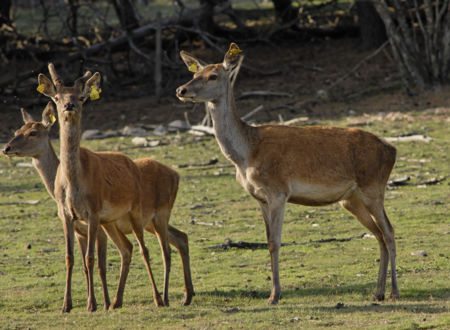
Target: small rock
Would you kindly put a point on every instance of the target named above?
(160, 130)
(295, 319)
(231, 310)
(90, 134)
(315, 225)
(179, 124)
(419, 253)
(322, 94)
(154, 143)
(24, 165)
(139, 141)
(134, 131)
(368, 236)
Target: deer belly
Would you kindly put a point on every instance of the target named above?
(111, 213)
(310, 194)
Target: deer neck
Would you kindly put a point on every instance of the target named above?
(47, 164)
(232, 134)
(69, 154)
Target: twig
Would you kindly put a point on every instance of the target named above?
(356, 67)
(250, 245)
(251, 113)
(264, 93)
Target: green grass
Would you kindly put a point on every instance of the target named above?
(233, 286)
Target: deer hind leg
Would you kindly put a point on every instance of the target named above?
(180, 240)
(139, 233)
(273, 214)
(89, 259)
(356, 206)
(378, 212)
(125, 249)
(102, 241)
(161, 229)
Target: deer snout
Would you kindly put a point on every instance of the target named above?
(181, 91)
(6, 149)
(69, 106)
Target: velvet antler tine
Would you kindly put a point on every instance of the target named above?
(80, 81)
(57, 81)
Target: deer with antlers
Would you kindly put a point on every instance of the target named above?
(110, 190)
(33, 140)
(310, 166)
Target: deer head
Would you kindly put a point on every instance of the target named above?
(69, 100)
(210, 81)
(31, 140)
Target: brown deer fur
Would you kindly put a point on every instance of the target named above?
(106, 188)
(308, 166)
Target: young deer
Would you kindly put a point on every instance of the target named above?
(309, 166)
(32, 140)
(109, 189)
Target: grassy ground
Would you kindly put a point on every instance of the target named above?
(324, 284)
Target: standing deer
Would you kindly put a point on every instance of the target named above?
(109, 189)
(32, 140)
(310, 166)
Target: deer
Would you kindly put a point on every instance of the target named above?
(33, 140)
(110, 190)
(311, 166)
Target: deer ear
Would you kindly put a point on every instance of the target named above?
(46, 86)
(233, 57)
(92, 88)
(27, 118)
(49, 115)
(193, 63)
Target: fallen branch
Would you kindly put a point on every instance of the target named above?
(264, 93)
(253, 246)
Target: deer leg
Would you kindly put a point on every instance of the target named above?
(378, 212)
(69, 236)
(125, 249)
(82, 243)
(356, 206)
(273, 214)
(102, 241)
(161, 228)
(180, 240)
(89, 258)
(138, 232)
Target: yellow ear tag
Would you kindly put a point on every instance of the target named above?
(235, 51)
(95, 93)
(52, 118)
(193, 67)
(41, 88)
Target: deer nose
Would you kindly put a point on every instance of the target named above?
(69, 106)
(181, 91)
(6, 149)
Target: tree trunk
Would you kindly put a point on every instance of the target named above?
(127, 14)
(285, 12)
(371, 26)
(5, 12)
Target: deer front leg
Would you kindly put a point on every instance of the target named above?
(69, 237)
(102, 241)
(273, 214)
(90, 259)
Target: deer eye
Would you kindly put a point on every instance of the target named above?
(56, 98)
(212, 76)
(33, 133)
(81, 98)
